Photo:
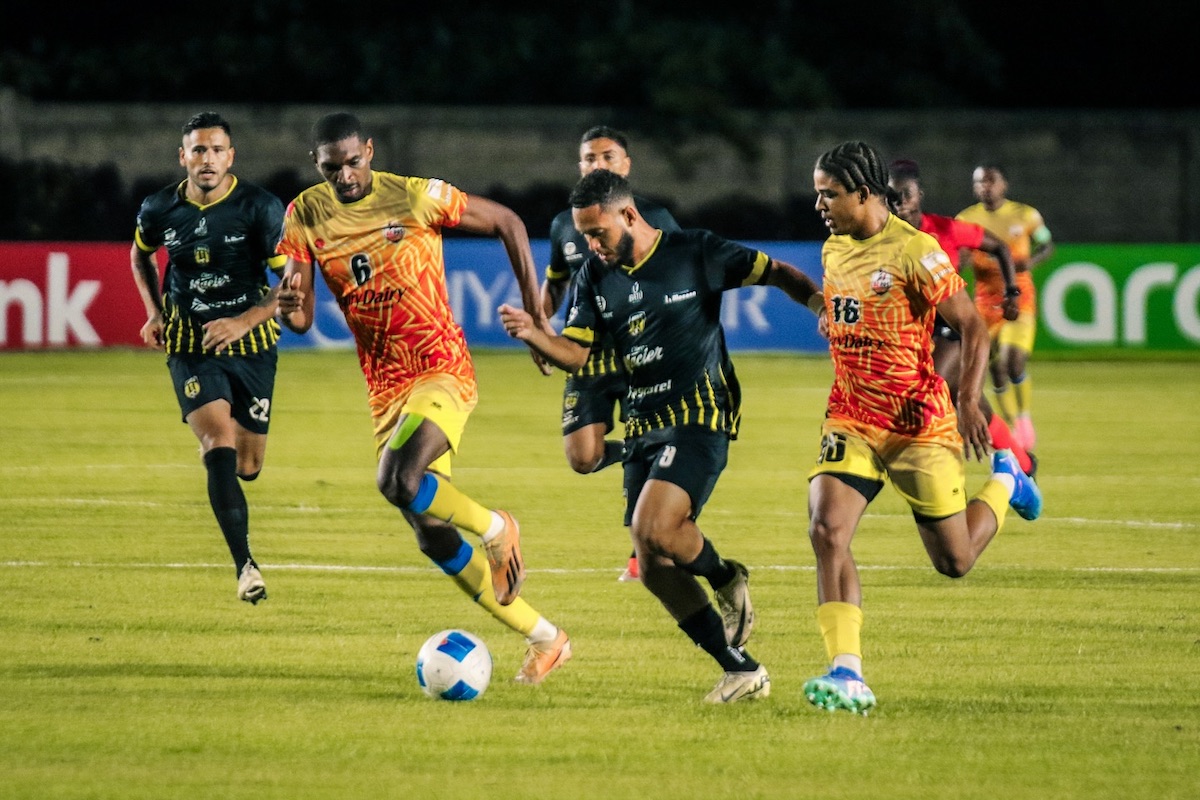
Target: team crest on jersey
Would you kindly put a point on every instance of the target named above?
(635, 294)
(570, 400)
(881, 281)
(394, 232)
(191, 388)
(637, 323)
(201, 254)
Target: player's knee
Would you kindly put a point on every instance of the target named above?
(951, 566)
(249, 476)
(581, 464)
(825, 538)
(399, 486)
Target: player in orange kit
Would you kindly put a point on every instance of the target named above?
(377, 239)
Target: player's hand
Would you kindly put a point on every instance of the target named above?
(517, 322)
(1010, 308)
(823, 323)
(152, 331)
(222, 333)
(289, 296)
(972, 424)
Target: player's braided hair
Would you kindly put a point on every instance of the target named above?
(602, 188)
(904, 169)
(855, 164)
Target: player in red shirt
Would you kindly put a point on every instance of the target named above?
(954, 235)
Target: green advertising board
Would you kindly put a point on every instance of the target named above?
(1126, 296)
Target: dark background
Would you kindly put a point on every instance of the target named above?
(667, 69)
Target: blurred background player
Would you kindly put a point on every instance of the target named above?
(597, 390)
(954, 235)
(889, 416)
(214, 315)
(377, 239)
(1021, 227)
(659, 297)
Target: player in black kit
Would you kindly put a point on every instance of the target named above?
(214, 315)
(596, 389)
(659, 296)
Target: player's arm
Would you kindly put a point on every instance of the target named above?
(959, 311)
(566, 354)
(294, 295)
(553, 292)
(993, 246)
(226, 331)
(796, 285)
(489, 218)
(1042, 246)
(145, 276)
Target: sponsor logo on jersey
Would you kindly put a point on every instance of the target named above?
(937, 263)
(641, 355)
(601, 304)
(881, 281)
(675, 298)
(208, 281)
(635, 294)
(637, 323)
(568, 249)
(377, 297)
(234, 238)
(202, 228)
(169, 236)
(638, 392)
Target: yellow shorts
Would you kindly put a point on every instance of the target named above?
(1020, 333)
(930, 475)
(436, 397)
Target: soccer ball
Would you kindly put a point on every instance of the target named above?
(454, 665)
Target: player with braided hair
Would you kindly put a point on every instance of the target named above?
(889, 415)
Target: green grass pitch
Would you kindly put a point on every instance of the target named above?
(1066, 665)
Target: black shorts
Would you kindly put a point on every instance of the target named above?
(688, 456)
(590, 399)
(246, 382)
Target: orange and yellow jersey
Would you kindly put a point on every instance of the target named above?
(381, 257)
(1015, 224)
(881, 294)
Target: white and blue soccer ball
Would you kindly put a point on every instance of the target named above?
(454, 665)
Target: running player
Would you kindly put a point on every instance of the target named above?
(658, 295)
(889, 415)
(906, 197)
(377, 240)
(1021, 227)
(591, 395)
(213, 314)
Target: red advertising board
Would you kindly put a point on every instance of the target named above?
(67, 294)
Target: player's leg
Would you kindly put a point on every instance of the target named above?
(205, 394)
(845, 480)
(668, 481)
(418, 436)
(1018, 338)
(588, 405)
(549, 645)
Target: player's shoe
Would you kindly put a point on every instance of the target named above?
(542, 658)
(504, 558)
(735, 686)
(631, 572)
(840, 688)
(733, 599)
(251, 587)
(1026, 498)
(1023, 432)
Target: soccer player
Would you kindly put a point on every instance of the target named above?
(1021, 227)
(592, 393)
(213, 315)
(953, 235)
(889, 415)
(377, 239)
(658, 295)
